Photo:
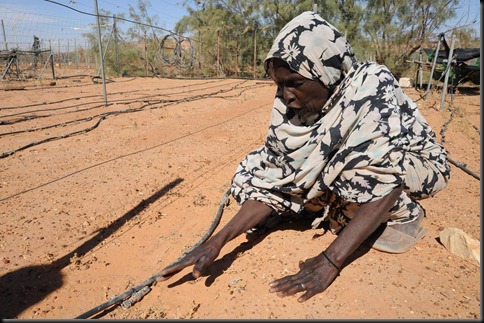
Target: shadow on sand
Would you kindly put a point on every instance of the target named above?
(222, 264)
(22, 288)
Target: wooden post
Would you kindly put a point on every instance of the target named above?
(237, 54)
(86, 53)
(199, 51)
(218, 52)
(67, 53)
(76, 56)
(255, 49)
(420, 69)
(58, 52)
(51, 58)
(146, 57)
(179, 53)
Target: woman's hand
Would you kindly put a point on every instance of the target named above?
(250, 214)
(316, 274)
(314, 277)
(202, 257)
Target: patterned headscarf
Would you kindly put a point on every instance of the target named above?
(353, 148)
(313, 48)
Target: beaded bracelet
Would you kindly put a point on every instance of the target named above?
(331, 262)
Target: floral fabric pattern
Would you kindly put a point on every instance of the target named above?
(368, 138)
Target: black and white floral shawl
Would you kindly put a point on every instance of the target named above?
(353, 148)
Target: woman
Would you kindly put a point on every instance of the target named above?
(344, 142)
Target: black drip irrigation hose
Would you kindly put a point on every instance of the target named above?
(98, 80)
(442, 134)
(118, 112)
(135, 293)
(463, 167)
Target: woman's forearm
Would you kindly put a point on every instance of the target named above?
(249, 215)
(366, 220)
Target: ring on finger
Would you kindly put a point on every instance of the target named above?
(302, 285)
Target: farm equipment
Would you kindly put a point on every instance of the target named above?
(460, 65)
(465, 65)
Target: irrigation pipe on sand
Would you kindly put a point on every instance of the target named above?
(135, 293)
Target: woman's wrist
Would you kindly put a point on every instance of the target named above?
(333, 258)
(328, 258)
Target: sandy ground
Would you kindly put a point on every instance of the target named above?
(106, 196)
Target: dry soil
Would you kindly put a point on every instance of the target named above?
(104, 197)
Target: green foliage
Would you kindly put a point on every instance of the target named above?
(225, 33)
(467, 38)
(398, 28)
(232, 37)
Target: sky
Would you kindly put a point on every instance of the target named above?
(167, 11)
(60, 27)
(62, 21)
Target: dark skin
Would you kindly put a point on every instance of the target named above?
(305, 97)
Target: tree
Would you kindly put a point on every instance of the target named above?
(106, 26)
(144, 22)
(349, 20)
(398, 28)
(232, 37)
(225, 31)
(467, 37)
(143, 34)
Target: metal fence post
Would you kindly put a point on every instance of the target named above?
(434, 62)
(448, 70)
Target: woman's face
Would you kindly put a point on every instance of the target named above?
(304, 96)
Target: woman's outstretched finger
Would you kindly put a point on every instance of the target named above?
(309, 293)
(287, 286)
(279, 284)
(165, 274)
(174, 268)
